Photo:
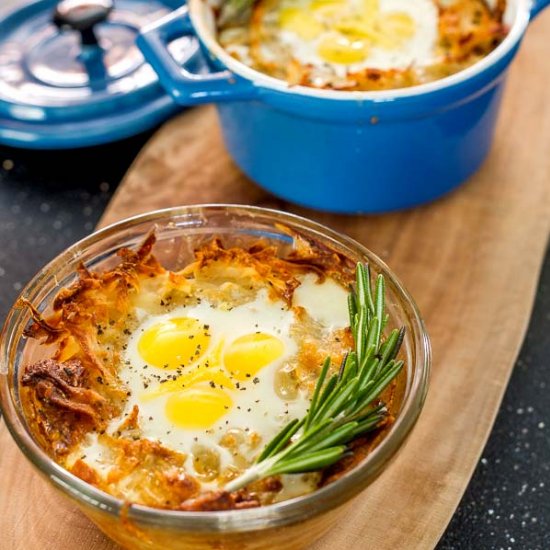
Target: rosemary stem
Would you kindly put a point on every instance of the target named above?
(255, 472)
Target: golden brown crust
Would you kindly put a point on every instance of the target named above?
(91, 310)
(217, 501)
(469, 29)
(147, 473)
(61, 406)
(250, 497)
(280, 273)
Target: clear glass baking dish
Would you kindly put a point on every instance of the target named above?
(287, 525)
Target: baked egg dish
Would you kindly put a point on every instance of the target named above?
(360, 44)
(161, 387)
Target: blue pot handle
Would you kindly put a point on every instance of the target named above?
(537, 6)
(185, 87)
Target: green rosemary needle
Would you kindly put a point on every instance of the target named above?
(344, 405)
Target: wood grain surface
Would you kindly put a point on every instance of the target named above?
(472, 262)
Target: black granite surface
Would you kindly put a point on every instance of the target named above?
(48, 200)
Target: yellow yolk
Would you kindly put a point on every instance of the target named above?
(208, 370)
(345, 32)
(197, 407)
(303, 24)
(174, 343)
(352, 27)
(216, 376)
(339, 49)
(399, 24)
(325, 7)
(250, 353)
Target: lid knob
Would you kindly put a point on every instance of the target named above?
(82, 16)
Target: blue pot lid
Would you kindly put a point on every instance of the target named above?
(64, 87)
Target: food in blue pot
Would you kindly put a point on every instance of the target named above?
(360, 44)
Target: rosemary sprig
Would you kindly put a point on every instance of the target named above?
(344, 405)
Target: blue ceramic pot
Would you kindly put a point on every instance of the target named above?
(342, 151)
(57, 92)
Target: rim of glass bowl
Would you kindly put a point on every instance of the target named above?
(279, 514)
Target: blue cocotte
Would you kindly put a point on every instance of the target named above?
(345, 152)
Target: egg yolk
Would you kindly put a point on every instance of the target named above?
(399, 25)
(197, 407)
(174, 343)
(250, 353)
(208, 370)
(346, 31)
(216, 376)
(326, 8)
(339, 49)
(303, 24)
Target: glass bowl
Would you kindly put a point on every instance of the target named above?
(287, 525)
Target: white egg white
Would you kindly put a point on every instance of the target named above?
(326, 303)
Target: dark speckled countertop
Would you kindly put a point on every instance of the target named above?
(48, 200)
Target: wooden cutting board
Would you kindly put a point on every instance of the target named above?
(472, 261)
